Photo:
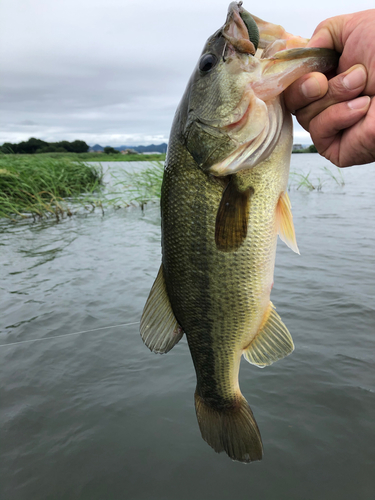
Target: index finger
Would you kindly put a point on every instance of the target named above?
(329, 34)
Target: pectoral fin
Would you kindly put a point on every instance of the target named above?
(232, 218)
(272, 342)
(284, 222)
(160, 330)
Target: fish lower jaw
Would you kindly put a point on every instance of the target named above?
(239, 159)
(262, 137)
(224, 167)
(238, 125)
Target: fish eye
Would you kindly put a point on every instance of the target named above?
(207, 62)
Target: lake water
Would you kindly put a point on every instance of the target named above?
(96, 415)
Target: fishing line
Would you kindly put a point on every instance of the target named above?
(68, 334)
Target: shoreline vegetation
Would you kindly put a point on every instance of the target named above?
(58, 185)
(309, 149)
(43, 180)
(92, 157)
(46, 183)
(41, 187)
(35, 187)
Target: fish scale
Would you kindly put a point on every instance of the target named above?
(223, 203)
(203, 283)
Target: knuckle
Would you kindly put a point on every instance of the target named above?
(290, 98)
(371, 134)
(336, 88)
(315, 133)
(303, 119)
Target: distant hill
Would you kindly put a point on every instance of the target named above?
(97, 147)
(152, 148)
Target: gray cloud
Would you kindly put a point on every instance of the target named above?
(27, 123)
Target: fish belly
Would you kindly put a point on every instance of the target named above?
(218, 298)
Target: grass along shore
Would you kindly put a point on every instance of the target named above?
(138, 188)
(42, 186)
(58, 184)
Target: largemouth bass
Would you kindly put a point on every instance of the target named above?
(223, 203)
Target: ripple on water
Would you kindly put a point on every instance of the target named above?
(101, 410)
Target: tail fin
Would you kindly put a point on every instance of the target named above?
(233, 430)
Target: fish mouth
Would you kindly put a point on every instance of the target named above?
(236, 31)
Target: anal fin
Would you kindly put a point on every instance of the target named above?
(159, 328)
(284, 222)
(272, 342)
(232, 218)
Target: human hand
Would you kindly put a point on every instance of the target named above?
(341, 124)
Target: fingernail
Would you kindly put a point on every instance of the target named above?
(311, 88)
(360, 103)
(355, 79)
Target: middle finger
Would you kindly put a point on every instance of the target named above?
(343, 87)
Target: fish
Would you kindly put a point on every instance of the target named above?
(223, 202)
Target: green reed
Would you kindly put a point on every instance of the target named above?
(303, 180)
(138, 187)
(145, 186)
(46, 186)
(339, 179)
(33, 186)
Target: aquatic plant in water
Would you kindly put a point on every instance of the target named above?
(43, 187)
(145, 186)
(301, 180)
(339, 179)
(138, 187)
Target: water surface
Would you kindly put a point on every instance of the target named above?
(96, 415)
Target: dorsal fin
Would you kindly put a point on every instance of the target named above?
(160, 330)
(232, 218)
(272, 342)
(284, 222)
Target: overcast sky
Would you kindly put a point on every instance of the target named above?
(113, 72)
